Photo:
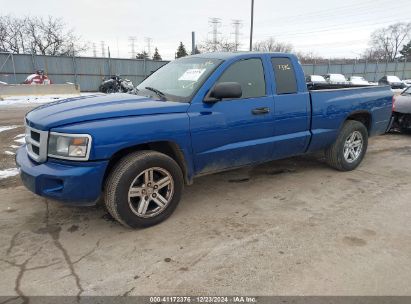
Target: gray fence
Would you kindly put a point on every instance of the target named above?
(86, 71)
(89, 71)
(372, 71)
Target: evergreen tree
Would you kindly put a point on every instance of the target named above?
(156, 55)
(181, 51)
(142, 55)
(406, 51)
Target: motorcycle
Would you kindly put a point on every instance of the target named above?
(116, 84)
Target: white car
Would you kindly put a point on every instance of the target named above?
(335, 79)
(315, 79)
(358, 80)
(407, 82)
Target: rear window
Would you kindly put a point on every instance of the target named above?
(285, 80)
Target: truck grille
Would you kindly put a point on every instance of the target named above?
(36, 144)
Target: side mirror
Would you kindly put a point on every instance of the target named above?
(224, 90)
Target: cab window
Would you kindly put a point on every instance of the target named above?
(284, 74)
(249, 73)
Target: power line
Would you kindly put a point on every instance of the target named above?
(336, 11)
(148, 42)
(215, 23)
(237, 24)
(340, 15)
(132, 44)
(335, 28)
(94, 50)
(103, 48)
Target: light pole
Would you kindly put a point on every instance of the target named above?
(252, 23)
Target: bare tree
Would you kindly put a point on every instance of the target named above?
(310, 57)
(12, 35)
(221, 45)
(35, 35)
(271, 45)
(386, 42)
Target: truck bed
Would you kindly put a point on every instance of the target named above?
(330, 107)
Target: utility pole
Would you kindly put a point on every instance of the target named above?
(193, 43)
(94, 50)
(252, 24)
(215, 24)
(148, 42)
(118, 50)
(103, 49)
(237, 24)
(132, 40)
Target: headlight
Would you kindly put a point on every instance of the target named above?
(69, 146)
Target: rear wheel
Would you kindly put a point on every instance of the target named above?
(349, 149)
(143, 189)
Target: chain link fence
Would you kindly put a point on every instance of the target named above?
(89, 71)
(86, 71)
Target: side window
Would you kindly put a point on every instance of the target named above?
(285, 80)
(249, 73)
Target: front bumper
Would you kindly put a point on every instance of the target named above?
(73, 183)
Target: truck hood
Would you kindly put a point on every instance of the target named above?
(95, 107)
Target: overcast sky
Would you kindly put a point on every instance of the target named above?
(328, 27)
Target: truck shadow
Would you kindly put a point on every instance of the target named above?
(72, 217)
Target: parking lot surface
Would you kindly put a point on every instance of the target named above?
(289, 227)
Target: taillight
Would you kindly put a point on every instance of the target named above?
(393, 103)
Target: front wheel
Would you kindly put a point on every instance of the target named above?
(143, 189)
(349, 149)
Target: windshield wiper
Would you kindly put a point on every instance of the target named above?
(158, 92)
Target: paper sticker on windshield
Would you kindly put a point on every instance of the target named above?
(192, 74)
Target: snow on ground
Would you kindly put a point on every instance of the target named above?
(6, 128)
(9, 153)
(8, 173)
(20, 139)
(25, 100)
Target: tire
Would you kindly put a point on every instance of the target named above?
(353, 131)
(136, 202)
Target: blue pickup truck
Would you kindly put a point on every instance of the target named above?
(196, 115)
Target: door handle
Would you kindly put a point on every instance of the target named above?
(259, 111)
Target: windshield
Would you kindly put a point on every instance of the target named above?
(393, 79)
(178, 80)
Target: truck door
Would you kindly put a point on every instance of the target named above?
(292, 110)
(234, 132)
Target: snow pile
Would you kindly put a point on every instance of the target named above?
(6, 128)
(20, 139)
(8, 173)
(18, 100)
(26, 100)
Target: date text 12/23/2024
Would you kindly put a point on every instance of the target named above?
(203, 299)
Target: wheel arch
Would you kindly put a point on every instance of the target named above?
(362, 116)
(168, 148)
